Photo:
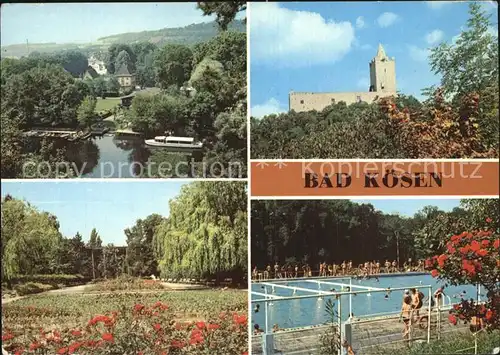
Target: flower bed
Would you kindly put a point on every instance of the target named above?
(201, 322)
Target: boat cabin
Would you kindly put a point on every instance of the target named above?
(176, 140)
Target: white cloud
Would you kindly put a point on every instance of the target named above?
(387, 19)
(270, 106)
(418, 54)
(360, 22)
(489, 6)
(434, 37)
(296, 38)
(437, 4)
(363, 83)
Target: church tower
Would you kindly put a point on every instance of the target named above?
(382, 72)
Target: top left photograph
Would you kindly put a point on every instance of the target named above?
(124, 90)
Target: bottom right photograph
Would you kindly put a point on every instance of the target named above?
(403, 276)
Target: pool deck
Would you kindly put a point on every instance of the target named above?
(379, 335)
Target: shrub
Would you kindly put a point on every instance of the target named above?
(33, 287)
(54, 280)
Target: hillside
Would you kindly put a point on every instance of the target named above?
(189, 35)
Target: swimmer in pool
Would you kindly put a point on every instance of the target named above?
(257, 307)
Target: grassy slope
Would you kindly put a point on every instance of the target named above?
(189, 35)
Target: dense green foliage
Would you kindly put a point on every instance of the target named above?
(333, 231)
(458, 120)
(206, 233)
(225, 11)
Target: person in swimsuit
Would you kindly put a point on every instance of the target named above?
(476, 324)
(417, 301)
(277, 271)
(438, 295)
(406, 314)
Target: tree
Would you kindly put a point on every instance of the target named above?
(94, 240)
(30, 240)
(113, 85)
(123, 59)
(173, 65)
(473, 258)
(113, 52)
(225, 11)
(206, 232)
(470, 66)
(74, 62)
(86, 112)
(43, 96)
(140, 258)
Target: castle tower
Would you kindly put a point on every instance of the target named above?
(382, 72)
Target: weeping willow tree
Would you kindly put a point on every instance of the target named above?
(205, 235)
(30, 239)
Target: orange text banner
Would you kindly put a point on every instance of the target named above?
(379, 178)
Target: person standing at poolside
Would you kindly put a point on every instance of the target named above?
(438, 295)
(406, 314)
(276, 271)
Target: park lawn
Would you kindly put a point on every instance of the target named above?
(106, 104)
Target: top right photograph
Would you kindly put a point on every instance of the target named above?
(374, 80)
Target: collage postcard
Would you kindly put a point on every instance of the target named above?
(232, 177)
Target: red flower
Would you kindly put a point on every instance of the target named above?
(489, 314)
(7, 336)
(100, 318)
(74, 347)
(465, 249)
(35, 346)
(496, 244)
(456, 307)
(434, 273)
(108, 337)
(488, 220)
(138, 308)
(482, 252)
(200, 325)
(62, 351)
(76, 333)
(157, 327)
(428, 263)
(475, 246)
(441, 259)
(452, 319)
(485, 243)
(213, 326)
(177, 344)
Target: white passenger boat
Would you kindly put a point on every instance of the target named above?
(182, 143)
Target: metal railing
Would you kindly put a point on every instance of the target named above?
(267, 335)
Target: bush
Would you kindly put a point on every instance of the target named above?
(126, 283)
(33, 287)
(54, 280)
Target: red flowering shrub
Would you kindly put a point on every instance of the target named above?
(472, 258)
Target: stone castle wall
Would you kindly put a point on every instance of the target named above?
(307, 101)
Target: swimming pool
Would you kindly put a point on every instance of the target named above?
(311, 311)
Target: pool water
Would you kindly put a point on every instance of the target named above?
(311, 311)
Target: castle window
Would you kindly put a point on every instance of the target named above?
(301, 101)
(358, 98)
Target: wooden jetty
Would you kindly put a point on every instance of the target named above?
(374, 336)
(70, 135)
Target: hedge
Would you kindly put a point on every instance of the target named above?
(33, 287)
(54, 280)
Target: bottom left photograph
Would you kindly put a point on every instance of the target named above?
(126, 267)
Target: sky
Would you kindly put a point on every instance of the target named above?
(86, 22)
(408, 207)
(110, 207)
(326, 46)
